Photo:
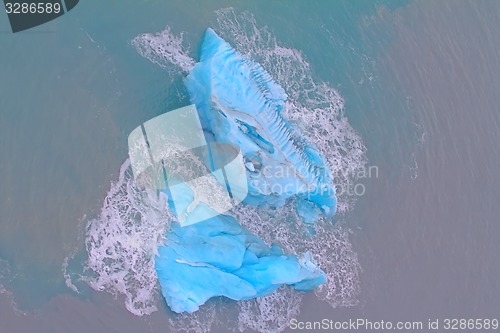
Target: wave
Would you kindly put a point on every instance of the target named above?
(122, 242)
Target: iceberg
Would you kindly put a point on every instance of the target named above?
(218, 257)
(238, 102)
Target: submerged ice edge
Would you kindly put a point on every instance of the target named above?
(164, 49)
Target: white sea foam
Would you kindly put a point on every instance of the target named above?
(200, 321)
(7, 276)
(121, 243)
(165, 49)
(332, 251)
(314, 107)
(67, 276)
(317, 110)
(8, 295)
(271, 313)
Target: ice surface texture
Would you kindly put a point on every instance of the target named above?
(239, 102)
(218, 257)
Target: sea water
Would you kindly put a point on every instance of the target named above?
(374, 80)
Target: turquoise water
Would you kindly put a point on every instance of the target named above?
(418, 81)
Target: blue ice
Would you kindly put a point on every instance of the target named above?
(218, 257)
(239, 102)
